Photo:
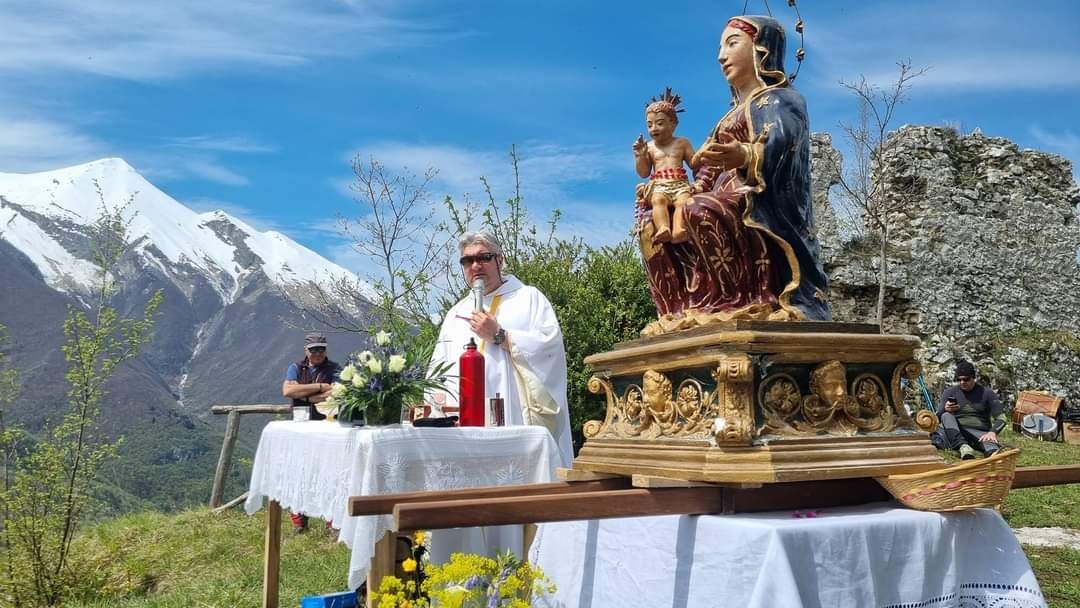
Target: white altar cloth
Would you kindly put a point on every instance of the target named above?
(314, 467)
(877, 556)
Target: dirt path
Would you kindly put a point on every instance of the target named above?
(1049, 537)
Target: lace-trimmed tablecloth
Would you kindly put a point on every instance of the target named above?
(314, 467)
(874, 556)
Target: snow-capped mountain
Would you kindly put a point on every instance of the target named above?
(40, 211)
(225, 333)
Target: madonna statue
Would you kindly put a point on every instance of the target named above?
(752, 251)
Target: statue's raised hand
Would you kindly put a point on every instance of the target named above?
(640, 145)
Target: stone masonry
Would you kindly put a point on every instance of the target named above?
(982, 261)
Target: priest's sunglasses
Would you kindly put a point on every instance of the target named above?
(467, 260)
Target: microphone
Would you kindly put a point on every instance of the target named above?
(478, 294)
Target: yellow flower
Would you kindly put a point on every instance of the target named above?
(347, 372)
(409, 565)
(419, 537)
(382, 338)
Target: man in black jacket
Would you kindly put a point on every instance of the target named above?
(967, 412)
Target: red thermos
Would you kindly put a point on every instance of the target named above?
(471, 386)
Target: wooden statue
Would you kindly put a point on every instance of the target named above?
(661, 160)
(750, 250)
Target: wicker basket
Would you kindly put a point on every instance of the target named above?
(969, 485)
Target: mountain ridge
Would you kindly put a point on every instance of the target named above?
(227, 330)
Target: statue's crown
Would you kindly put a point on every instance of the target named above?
(668, 103)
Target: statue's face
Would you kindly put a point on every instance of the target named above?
(737, 56)
(660, 126)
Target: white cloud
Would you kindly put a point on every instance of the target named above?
(967, 45)
(211, 170)
(231, 143)
(551, 175)
(37, 145)
(161, 40)
(546, 170)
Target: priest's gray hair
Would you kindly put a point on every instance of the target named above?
(483, 237)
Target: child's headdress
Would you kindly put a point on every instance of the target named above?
(667, 103)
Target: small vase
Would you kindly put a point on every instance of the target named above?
(354, 418)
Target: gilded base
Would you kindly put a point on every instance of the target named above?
(759, 402)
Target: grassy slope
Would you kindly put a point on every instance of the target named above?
(198, 559)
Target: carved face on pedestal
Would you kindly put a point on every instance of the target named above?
(737, 59)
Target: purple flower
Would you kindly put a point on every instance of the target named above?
(374, 384)
(475, 581)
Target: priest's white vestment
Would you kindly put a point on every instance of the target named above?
(531, 379)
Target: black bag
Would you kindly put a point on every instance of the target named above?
(447, 422)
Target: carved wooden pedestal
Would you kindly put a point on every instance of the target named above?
(759, 402)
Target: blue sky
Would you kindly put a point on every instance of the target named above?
(257, 106)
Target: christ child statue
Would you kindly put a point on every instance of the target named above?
(661, 160)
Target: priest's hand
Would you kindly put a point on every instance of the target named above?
(483, 325)
(990, 436)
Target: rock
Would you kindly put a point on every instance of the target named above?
(985, 253)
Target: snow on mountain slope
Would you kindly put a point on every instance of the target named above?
(39, 209)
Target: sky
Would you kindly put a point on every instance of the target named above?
(258, 106)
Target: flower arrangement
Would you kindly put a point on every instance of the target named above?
(466, 581)
(374, 384)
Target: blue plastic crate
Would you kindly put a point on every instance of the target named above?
(345, 599)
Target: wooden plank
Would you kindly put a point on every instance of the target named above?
(564, 507)
(272, 555)
(260, 408)
(382, 563)
(654, 481)
(1032, 477)
(232, 428)
(709, 498)
(575, 475)
(384, 503)
(232, 503)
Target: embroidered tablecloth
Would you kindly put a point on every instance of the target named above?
(875, 555)
(314, 467)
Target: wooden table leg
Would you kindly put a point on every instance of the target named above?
(272, 555)
(527, 536)
(382, 563)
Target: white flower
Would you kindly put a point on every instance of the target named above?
(397, 363)
(337, 390)
(359, 380)
(366, 356)
(374, 366)
(347, 372)
(382, 338)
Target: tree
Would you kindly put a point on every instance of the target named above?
(601, 296)
(48, 485)
(398, 229)
(868, 200)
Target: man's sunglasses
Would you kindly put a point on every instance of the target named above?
(467, 260)
(317, 349)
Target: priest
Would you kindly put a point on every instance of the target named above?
(516, 330)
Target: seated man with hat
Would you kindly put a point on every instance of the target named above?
(968, 411)
(308, 382)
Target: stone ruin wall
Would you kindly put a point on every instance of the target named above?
(982, 264)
